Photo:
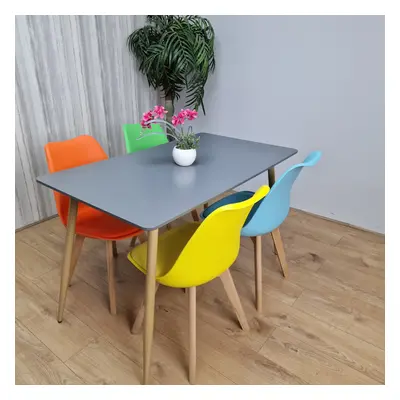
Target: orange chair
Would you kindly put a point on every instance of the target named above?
(90, 222)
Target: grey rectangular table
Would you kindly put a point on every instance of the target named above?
(148, 190)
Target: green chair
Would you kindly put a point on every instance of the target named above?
(132, 134)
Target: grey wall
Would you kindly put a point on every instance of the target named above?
(309, 82)
(74, 76)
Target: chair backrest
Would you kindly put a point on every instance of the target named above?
(71, 153)
(273, 210)
(132, 133)
(214, 246)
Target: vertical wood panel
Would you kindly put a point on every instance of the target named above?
(74, 75)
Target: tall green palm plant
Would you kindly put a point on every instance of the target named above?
(175, 53)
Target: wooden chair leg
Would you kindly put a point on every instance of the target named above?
(111, 277)
(258, 271)
(114, 248)
(195, 216)
(275, 251)
(205, 205)
(76, 251)
(142, 237)
(192, 335)
(133, 241)
(233, 297)
(138, 322)
(276, 236)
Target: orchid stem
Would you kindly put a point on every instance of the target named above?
(164, 122)
(156, 133)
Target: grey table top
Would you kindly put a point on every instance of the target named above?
(148, 190)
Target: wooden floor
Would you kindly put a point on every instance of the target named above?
(324, 324)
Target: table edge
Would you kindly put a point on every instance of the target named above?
(38, 179)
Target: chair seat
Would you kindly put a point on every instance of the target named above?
(96, 224)
(170, 246)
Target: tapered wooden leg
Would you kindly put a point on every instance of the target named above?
(271, 182)
(233, 297)
(138, 322)
(205, 205)
(133, 241)
(258, 271)
(149, 303)
(271, 177)
(114, 248)
(142, 237)
(111, 277)
(275, 251)
(67, 262)
(276, 236)
(195, 216)
(192, 335)
(75, 254)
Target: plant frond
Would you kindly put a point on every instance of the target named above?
(175, 52)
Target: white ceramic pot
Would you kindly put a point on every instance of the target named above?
(184, 158)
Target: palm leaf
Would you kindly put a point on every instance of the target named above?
(175, 53)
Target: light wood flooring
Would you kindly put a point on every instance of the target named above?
(324, 324)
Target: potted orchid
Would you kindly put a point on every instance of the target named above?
(184, 152)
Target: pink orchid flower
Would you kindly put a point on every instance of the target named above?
(159, 112)
(175, 121)
(145, 124)
(182, 116)
(147, 117)
(191, 114)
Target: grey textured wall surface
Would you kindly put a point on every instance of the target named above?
(313, 83)
(74, 75)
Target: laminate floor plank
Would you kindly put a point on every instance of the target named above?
(323, 324)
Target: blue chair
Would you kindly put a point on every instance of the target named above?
(267, 215)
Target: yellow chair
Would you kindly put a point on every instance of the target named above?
(196, 253)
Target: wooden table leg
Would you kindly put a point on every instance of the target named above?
(67, 262)
(149, 303)
(271, 182)
(195, 216)
(271, 177)
(75, 254)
